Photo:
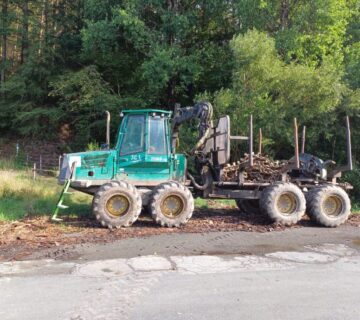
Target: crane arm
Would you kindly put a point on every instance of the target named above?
(202, 111)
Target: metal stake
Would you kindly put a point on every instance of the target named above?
(60, 157)
(251, 160)
(297, 160)
(34, 171)
(260, 141)
(303, 140)
(107, 129)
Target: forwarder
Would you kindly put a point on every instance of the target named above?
(145, 171)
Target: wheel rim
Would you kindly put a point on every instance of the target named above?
(118, 205)
(172, 206)
(286, 203)
(332, 205)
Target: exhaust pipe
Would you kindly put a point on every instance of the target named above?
(107, 129)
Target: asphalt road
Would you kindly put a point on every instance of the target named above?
(306, 277)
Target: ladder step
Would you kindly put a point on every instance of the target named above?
(61, 198)
(61, 206)
(54, 218)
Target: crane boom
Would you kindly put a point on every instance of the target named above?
(202, 111)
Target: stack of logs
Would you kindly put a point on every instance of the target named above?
(263, 170)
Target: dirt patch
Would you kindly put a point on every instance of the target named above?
(354, 220)
(19, 239)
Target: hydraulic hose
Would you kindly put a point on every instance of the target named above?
(198, 186)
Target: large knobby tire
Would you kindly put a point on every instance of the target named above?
(329, 205)
(117, 204)
(283, 203)
(249, 206)
(171, 204)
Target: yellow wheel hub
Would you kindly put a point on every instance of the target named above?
(117, 205)
(286, 203)
(332, 205)
(172, 206)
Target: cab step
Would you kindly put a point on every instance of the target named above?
(59, 204)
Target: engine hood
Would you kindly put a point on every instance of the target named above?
(84, 162)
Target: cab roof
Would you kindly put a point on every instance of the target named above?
(142, 111)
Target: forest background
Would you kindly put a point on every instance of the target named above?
(63, 62)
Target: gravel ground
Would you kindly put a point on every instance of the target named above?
(20, 239)
(311, 279)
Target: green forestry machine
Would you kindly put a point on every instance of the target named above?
(144, 171)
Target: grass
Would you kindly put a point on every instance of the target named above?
(355, 207)
(205, 203)
(22, 197)
(10, 164)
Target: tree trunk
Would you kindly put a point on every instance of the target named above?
(14, 52)
(284, 14)
(173, 6)
(43, 27)
(286, 7)
(55, 26)
(25, 32)
(4, 11)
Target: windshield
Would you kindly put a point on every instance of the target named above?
(133, 140)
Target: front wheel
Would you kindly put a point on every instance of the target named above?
(171, 204)
(117, 204)
(328, 205)
(283, 203)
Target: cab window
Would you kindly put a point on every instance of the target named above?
(157, 139)
(133, 141)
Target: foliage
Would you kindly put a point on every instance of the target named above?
(92, 146)
(353, 65)
(64, 62)
(276, 92)
(353, 178)
(83, 96)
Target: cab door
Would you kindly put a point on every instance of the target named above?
(158, 149)
(131, 150)
(143, 157)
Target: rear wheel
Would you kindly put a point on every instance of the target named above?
(328, 205)
(283, 203)
(249, 206)
(171, 204)
(117, 204)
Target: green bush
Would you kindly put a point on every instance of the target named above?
(353, 177)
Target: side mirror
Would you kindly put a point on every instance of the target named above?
(105, 146)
